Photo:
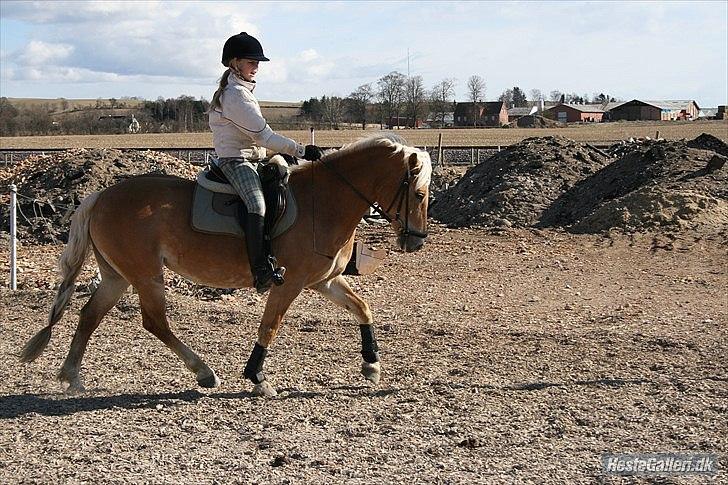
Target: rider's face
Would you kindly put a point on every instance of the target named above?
(248, 68)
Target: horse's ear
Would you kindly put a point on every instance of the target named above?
(414, 164)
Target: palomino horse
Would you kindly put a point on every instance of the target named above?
(139, 226)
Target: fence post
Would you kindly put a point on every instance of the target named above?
(478, 156)
(472, 156)
(439, 150)
(313, 136)
(13, 231)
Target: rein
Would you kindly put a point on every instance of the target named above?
(402, 194)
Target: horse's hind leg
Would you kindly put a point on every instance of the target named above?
(154, 319)
(109, 292)
(338, 291)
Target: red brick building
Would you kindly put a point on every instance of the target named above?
(575, 113)
(490, 113)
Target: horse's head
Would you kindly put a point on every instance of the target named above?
(410, 219)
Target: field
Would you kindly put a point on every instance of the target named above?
(595, 133)
(510, 358)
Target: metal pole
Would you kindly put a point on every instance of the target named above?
(13, 230)
(439, 150)
(478, 156)
(472, 156)
(313, 136)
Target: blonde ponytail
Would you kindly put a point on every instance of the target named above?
(223, 84)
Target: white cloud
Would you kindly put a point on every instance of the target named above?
(309, 55)
(94, 39)
(37, 52)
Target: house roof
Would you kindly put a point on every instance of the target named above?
(489, 107)
(518, 111)
(611, 105)
(671, 104)
(492, 107)
(584, 108)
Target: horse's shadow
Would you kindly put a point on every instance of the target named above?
(16, 405)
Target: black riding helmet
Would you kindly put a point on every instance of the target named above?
(242, 46)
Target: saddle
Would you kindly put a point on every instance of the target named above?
(218, 209)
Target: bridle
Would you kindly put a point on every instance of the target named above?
(402, 194)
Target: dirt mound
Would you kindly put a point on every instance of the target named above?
(655, 185)
(515, 186)
(51, 186)
(709, 142)
(534, 121)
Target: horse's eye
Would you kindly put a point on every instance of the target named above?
(420, 195)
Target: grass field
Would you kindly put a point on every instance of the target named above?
(596, 133)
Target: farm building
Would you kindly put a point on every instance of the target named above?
(573, 113)
(490, 113)
(515, 113)
(708, 113)
(637, 110)
(721, 113)
(440, 119)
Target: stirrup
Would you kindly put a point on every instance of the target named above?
(271, 276)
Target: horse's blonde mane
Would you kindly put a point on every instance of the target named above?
(396, 142)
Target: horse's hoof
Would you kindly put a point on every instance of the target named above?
(264, 389)
(371, 372)
(75, 389)
(209, 381)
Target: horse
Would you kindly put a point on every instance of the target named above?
(139, 226)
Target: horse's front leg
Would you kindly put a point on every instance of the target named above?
(279, 300)
(339, 291)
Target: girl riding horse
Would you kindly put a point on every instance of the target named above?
(239, 131)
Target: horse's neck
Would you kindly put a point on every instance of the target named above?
(338, 207)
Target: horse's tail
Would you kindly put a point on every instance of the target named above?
(70, 266)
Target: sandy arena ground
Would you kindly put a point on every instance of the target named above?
(517, 357)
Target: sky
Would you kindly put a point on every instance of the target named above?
(650, 50)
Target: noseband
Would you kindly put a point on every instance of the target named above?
(403, 196)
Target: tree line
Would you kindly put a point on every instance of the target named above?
(177, 115)
(393, 100)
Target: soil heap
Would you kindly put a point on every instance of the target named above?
(515, 186)
(655, 185)
(536, 121)
(51, 186)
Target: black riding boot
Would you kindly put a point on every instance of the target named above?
(262, 264)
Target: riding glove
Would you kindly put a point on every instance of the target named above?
(313, 153)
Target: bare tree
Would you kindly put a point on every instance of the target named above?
(535, 96)
(555, 95)
(441, 99)
(476, 93)
(507, 97)
(391, 94)
(358, 102)
(416, 98)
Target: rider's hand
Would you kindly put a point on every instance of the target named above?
(312, 153)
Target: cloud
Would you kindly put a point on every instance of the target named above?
(154, 39)
(305, 67)
(37, 52)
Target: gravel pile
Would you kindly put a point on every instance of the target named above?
(655, 185)
(515, 186)
(646, 185)
(51, 186)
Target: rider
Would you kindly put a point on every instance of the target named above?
(238, 131)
